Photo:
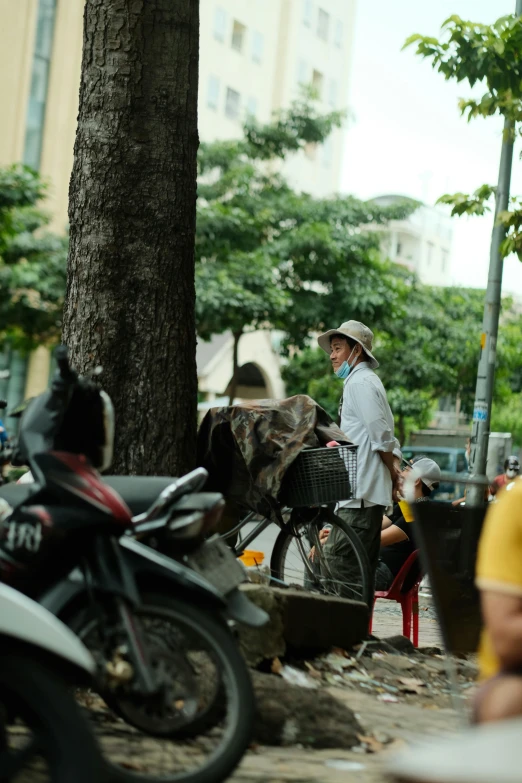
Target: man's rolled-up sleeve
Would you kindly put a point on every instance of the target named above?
(372, 409)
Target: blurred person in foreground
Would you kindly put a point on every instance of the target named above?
(499, 579)
(367, 421)
(397, 533)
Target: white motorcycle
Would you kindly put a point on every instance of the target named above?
(42, 731)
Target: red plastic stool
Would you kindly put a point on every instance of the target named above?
(409, 601)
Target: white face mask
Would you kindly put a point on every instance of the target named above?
(511, 473)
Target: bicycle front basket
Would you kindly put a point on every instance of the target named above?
(321, 476)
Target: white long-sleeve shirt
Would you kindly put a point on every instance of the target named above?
(367, 420)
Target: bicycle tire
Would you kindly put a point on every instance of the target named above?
(236, 684)
(35, 693)
(360, 586)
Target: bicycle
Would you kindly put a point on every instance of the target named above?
(298, 557)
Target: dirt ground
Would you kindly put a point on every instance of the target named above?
(397, 697)
(388, 726)
(399, 723)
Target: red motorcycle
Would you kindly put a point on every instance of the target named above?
(168, 663)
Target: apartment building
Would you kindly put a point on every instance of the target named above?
(421, 243)
(254, 57)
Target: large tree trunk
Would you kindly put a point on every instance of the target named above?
(132, 210)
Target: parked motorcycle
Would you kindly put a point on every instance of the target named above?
(41, 727)
(167, 661)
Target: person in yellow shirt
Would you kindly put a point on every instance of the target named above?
(499, 579)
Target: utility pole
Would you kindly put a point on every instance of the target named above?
(488, 339)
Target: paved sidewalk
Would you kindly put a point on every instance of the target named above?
(401, 722)
(387, 621)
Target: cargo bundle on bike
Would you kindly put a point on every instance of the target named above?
(271, 462)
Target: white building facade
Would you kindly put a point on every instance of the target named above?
(254, 57)
(422, 243)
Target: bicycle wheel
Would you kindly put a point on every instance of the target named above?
(344, 576)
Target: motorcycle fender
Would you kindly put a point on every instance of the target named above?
(146, 562)
(24, 620)
(241, 609)
(63, 594)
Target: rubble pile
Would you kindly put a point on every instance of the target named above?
(378, 668)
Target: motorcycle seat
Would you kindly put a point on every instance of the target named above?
(138, 492)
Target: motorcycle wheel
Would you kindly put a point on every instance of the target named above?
(200, 732)
(42, 732)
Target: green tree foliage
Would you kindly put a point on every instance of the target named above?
(506, 416)
(427, 351)
(490, 55)
(270, 257)
(32, 262)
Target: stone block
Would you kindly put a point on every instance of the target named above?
(290, 715)
(301, 623)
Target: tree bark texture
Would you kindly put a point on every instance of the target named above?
(132, 211)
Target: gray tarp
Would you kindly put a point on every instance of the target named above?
(247, 448)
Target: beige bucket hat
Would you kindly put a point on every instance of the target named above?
(358, 332)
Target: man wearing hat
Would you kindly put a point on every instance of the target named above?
(367, 421)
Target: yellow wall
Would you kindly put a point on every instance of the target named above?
(17, 31)
(17, 37)
(62, 107)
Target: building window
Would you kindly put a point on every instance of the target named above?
(238, 36)
(431, 250)
(332, 93)
(338, 35)
(302, 72)
(220, 24)
(444, 265)
(252, 106)
(307, 12)
(327, 153)
(213, 92)
(39, 83)
(323, 23)
(317, 82)
(232, 103)
(257, 47)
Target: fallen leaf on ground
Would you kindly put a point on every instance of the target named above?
(411, 685)
(276, 666)
(372, 745)
(339, 651)
(313, 672)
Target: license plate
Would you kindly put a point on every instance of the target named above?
(218, 565)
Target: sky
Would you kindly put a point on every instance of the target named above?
(407, 135)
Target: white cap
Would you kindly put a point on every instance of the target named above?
(428, 471)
